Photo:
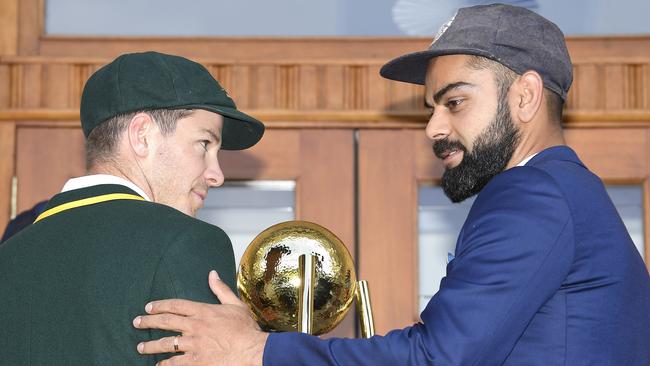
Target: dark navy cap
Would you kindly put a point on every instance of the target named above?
(513, 36)
(151, 80)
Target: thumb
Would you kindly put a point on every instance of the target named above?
(221, 290)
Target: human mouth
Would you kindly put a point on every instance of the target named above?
(451, 158)
(447, 153)
(450, 152)
(201, 195)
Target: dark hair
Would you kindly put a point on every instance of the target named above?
(504, 78)
(100, 144)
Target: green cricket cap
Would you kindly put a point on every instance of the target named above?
(151, 80)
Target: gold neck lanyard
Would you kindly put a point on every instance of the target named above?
(86, 202)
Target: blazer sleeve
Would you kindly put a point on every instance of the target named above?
(513, 253)
(184, 266)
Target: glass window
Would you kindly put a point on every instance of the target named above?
(440, 222)
(244, 209)
(318, 18)
(629, 203)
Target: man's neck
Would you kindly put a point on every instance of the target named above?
(532, 144)
(123, 173)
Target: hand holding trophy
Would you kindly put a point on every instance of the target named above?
(298, 276)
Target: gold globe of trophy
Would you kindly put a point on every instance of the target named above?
(298, 276)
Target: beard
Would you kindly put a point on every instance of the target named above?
(491, 151)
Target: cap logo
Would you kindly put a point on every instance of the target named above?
(443, 29)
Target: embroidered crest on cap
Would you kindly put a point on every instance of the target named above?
(443, 29)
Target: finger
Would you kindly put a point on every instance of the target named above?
(221, 290)
(171, 322)
(166, 345)
(174, 306)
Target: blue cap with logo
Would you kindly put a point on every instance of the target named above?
(516, 37)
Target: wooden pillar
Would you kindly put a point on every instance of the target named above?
(8, 27)
(646, 206)
(8, 47)
(387, 255)
(7, 161)
(30, 26)
(646, 221)
(325, 192)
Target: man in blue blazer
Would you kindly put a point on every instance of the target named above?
(544, 272)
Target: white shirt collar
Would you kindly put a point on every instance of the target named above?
(525, 161)
(97, 179)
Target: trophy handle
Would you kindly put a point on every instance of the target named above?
(364, 309)
(307, 272)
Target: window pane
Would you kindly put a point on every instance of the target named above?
(440, 222)
(244, 209)
(220, 17)
(629, 203)
(318, 18)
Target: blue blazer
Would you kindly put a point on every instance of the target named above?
(545, 273)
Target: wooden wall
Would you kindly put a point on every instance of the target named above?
(314, 83)
(39, 91)
(337, 90)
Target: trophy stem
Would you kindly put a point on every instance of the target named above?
(364, 309)
(307, 271)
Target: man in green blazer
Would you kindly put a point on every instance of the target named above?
(124, 234)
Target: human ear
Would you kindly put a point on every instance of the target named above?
(140, 132)
(529, 94)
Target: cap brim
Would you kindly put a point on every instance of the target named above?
(412, 67)
(240, 131)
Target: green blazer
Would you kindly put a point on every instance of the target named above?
(71, 283)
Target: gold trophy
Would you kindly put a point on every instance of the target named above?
(298, 276)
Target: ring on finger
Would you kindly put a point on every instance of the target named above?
(176, 343)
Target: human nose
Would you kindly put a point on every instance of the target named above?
(438, 127)
(213, 174)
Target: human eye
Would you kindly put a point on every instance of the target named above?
(204, 144)
(454, 103)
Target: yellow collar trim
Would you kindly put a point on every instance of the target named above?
(86, 202)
